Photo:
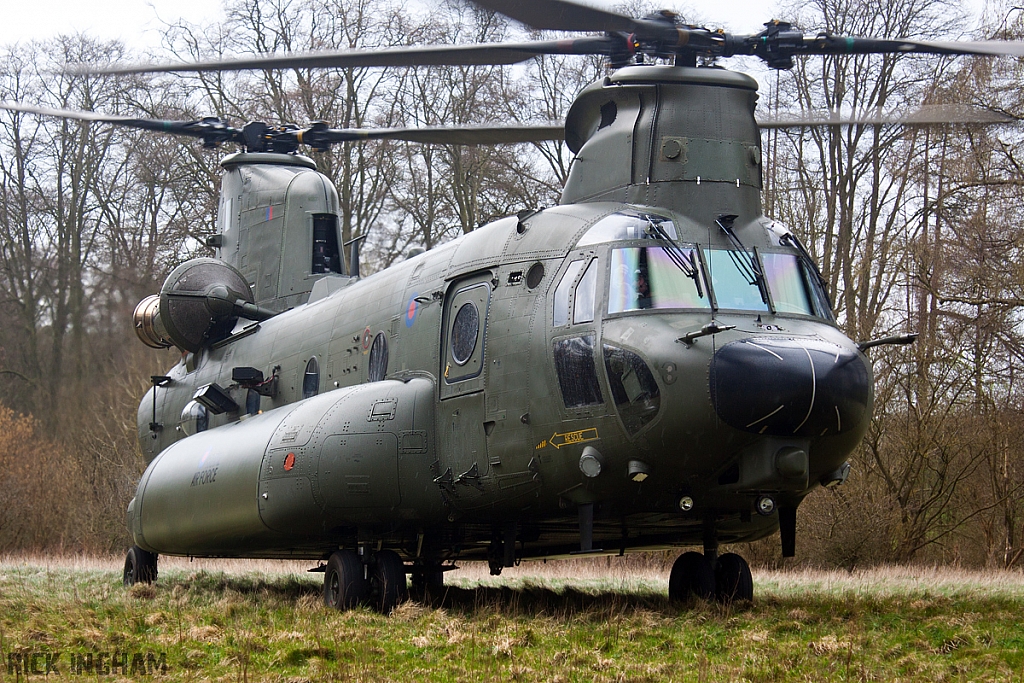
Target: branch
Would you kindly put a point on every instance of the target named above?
(19, 376)
(982, 302)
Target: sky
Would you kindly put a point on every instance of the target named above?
(138, 22)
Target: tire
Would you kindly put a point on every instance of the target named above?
(692, 576)
(139, 566)
(389, 587)
(732, 579)
(428, 578)
(345, 585)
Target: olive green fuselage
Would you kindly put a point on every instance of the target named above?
(357, 475)
(549, 403)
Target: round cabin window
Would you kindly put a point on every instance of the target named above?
(535, 275)
(378, 363)
(464, 333)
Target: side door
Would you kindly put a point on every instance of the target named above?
(463, 440)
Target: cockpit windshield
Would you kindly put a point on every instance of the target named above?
(671, 275)
(789, 290)
(626, 225)
(796, 287)
(733, 280)
(645, 277)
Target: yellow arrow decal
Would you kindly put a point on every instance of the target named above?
(558, 440)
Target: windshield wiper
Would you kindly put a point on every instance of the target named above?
(685, 263)
(749, 268)
(791, 239)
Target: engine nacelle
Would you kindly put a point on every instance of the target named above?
(200, 302)
(311, 472)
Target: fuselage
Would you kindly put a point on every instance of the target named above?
(565, 356)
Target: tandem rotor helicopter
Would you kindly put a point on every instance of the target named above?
(650, 364)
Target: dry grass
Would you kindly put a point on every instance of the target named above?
(248, 620)
(629, 574)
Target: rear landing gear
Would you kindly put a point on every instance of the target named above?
(428, 579)
(726, 578)
(139, 567)
(345, 584)
(387, 581)
(349, 583)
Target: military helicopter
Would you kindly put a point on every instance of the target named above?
(648, 365)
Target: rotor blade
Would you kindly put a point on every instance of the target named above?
(849, 45)
(781, 41)
(926, 115)
(464, 135)
(999, 48)
(561, 15)
(431, 55)
(565, 15)
(209, 128)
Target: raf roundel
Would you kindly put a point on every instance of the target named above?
(410, 310)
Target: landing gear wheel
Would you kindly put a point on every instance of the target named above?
(139, 567)
(692, 576)
(345, 585)
(387, 580)
(732, 579)
(428, 578)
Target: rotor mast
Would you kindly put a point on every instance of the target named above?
(689, 134)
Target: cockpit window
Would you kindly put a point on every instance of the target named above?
(586, 293)
(787, 284)
(626, 225)
(561, 309)
(646, 277)
(819, 297)
(733, 280)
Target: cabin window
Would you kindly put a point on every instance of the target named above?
(627, 225)
(645, 277)
(787, 284)
(535, 275)
(463, 344)
(562, 292)
(734, 279)
(378, 362)
(311, 379)
(577, 376)
(465, 331)
(633, 387)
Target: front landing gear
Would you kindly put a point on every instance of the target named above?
(139, 567)
(692, 576)
(732, 579)
(726, 578)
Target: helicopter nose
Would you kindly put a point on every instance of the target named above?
(790, 387)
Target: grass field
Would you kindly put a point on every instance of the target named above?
(263, 621)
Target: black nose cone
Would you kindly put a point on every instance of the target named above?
(790, 387)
